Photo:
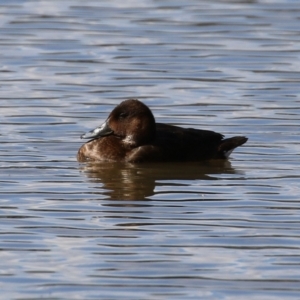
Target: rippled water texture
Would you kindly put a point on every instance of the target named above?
(162, 231)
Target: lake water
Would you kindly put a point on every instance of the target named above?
(208, 230)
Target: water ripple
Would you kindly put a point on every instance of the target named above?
(165, 231)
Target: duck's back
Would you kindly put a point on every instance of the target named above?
(183, 144)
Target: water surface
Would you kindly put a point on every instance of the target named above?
(162, 231)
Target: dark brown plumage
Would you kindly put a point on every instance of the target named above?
(130, 134)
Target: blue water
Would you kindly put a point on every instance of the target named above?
(161, 231)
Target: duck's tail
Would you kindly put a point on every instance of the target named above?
(228, 145)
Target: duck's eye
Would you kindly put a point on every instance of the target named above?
(123, 115)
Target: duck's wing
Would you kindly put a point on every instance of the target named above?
(184, 144)
(194, 144)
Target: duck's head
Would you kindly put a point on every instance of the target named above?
(132, 121)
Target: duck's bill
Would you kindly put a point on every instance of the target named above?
(102, 130)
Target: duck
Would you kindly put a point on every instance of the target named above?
(130, 134)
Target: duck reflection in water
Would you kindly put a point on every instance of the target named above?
(126, 181)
